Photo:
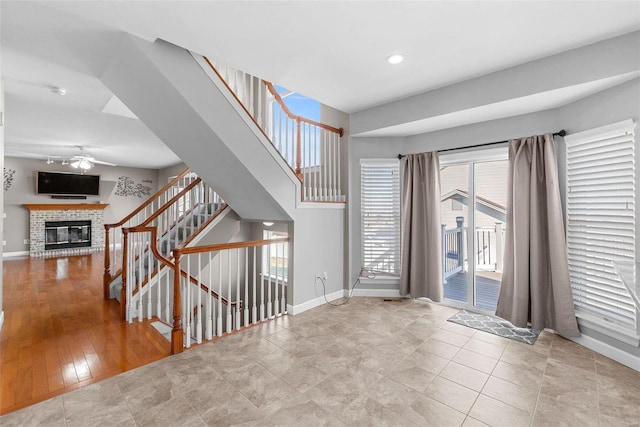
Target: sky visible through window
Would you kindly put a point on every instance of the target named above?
(301, 105)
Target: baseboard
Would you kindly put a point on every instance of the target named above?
(611, 352)
(308, 305)
(14, 254)
(380, 293)
(1, 319)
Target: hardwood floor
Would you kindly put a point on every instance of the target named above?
(60, 334)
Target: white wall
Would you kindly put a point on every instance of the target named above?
(23, 191)
(2, 237)
(340, 119)
(318, 240)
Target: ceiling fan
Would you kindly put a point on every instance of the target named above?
(85, 162)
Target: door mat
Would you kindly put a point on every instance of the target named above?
(495, 325)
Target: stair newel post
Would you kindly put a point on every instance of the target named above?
(125, 263)
(106, 280)
(177, 335)
(298, 148)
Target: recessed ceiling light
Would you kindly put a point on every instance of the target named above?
(267, 223)
(396, 58)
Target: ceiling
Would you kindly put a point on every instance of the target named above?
(332, 51)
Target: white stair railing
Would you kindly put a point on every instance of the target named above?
(222, 288)
(114, 238)
(175, 224)
(310, 148)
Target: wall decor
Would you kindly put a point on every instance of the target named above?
(8, 178)
(127, 187)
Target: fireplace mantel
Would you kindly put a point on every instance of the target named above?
(65, 206)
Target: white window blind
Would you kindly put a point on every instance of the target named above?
(380, 197)
(601, 219)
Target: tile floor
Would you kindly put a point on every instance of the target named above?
(369, 362)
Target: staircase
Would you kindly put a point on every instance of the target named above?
(235, 130)
(181, 212)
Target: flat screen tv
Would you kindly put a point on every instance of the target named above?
(68, 184)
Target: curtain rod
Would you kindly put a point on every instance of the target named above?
(559, 133)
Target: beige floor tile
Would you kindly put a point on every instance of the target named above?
(465, 376)
(47, 413)
(366, 411)
(517, 396)
(458, 329)
(475, 360)
(524, 355)
(438, 348)
(176, 411)
(553, 412)
(491, 338)
(450, 337)
(472, 422)
(426, 411)
(485, 348)
(100, 403)
(526, 377)
(305, 414)
(413, 377)
(332, 395)
(452, 394)
(498, 414)
(235, 409)
(428, 362)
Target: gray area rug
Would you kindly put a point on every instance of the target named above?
(495, 325)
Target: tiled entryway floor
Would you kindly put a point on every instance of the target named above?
(369, 362)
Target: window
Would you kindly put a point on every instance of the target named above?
(275, 257)
(380, 210)
(601, 220)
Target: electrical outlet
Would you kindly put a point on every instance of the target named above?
(4, 243)
(25, 241)
(325, 276)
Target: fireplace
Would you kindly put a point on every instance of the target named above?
(67, 234)
(48, 224)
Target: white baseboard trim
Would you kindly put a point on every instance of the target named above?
(308, 305)
(604, 349)
(1, 319)
(14, 254)
(380, 293)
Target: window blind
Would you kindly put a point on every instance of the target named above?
(380, 210)
(601, 219)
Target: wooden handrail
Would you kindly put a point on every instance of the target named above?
(171, 201)
(107, 276)
(149, 200)
(223, 246)
(279, 100)
(177, 336)
(299, 119)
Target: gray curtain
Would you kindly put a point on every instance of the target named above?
(535, 279)
(421, 268)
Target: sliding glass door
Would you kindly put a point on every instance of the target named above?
(473, 209)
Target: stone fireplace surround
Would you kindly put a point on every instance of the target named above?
(41, 213)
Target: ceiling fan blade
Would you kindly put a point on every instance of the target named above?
(98, 162)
